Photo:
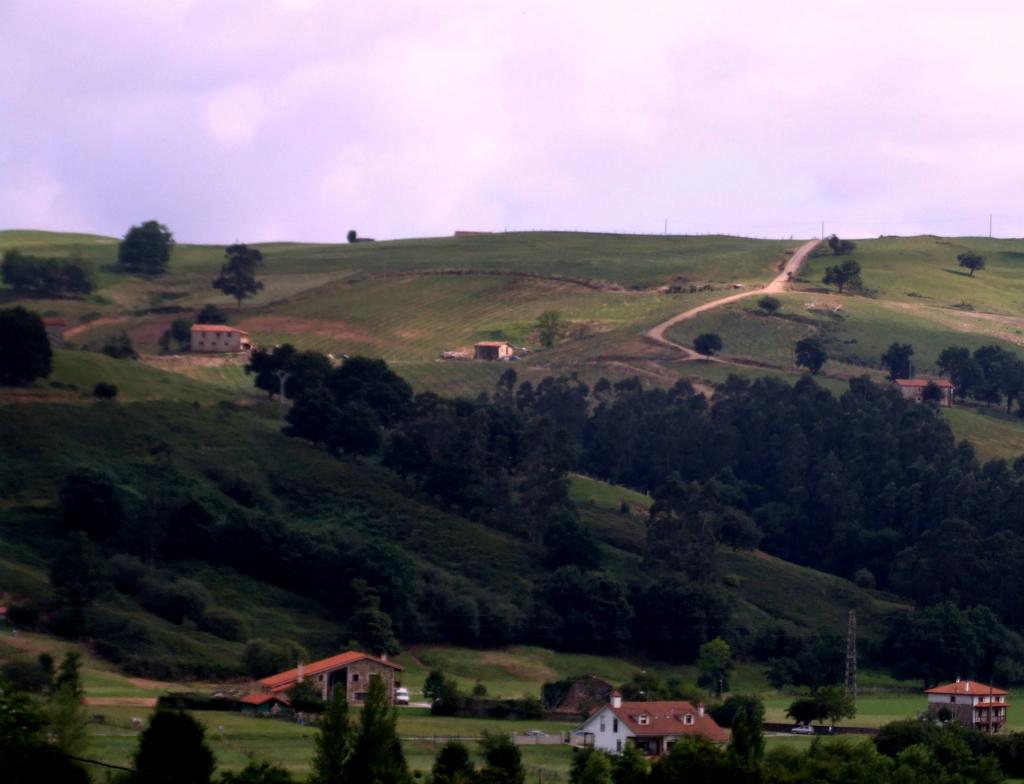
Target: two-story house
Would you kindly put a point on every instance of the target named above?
(969, 703)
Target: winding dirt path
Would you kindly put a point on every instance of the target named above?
(779, 284)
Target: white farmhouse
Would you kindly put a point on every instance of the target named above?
(650, 726)
(969, 703)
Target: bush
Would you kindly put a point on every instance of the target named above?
(27, 676)
(769, 304)
(264, 657)
(120, 347)
(104, 391)
(125, 571)
(226, 624)
(173, 601)
(212, 314)
(25, 352)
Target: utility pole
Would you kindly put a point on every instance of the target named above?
(990, 225)
(666, 226)
(823, 230)
(851, 655)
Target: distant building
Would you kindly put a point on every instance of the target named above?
(55, 328)
(650, 726)
(492, 349)
(219, 338)
(913, 388)
(969, 703)
(350, 671)
(265, 704)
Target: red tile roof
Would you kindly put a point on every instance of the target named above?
(285, 680)
(259, 699)
(493, 343)
(667, 718)
(971, 688)
(942, 383)
(217, 328)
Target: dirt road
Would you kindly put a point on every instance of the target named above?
(778, 285)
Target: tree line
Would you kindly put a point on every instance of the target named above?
(48, 277)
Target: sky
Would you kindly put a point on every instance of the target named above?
(260, 120)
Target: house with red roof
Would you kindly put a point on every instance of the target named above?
(650, 726)
(913, 388)
(219, 338)
(970, 703)
(350, 671)
(265, 704)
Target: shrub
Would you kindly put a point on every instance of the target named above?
(104, 391)
(120, 347)
(27, 676)
(769, 304)
(264, 657)
(173, 601)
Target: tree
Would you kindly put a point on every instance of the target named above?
(804, 710)
(264, 657)
(67, 715)
(842, 275)
(714, 663)
(371, 627)
(596, 770)
(120, 347)
(769, 304)
(352, 236)
(840, 247)
(549, 327)
(104, 390)
(146, 248)
(453, 765)
(25, 353)
(26, 755)
(630, 766)
(932, 393)
(971, 261)
(897, 360)
(707, 344)
(810, 354)
(48, 277)
(212, 314)
(433, 684)
(91, 501)
(305, 696)
(355, 429)
(173, 746)
(238, 274)
(333, 744)
(376, 750)
(747, 736)
(835, 704)
(503, 762)
(75, 576)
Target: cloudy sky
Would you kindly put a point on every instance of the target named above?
(300, 119)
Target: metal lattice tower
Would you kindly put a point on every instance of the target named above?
(851, 655)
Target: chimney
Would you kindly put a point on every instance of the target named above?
(383, 657)
(616, 699)
(700, 709)
(301, 671)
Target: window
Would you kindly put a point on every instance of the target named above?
(602, 724)
(355, 677)
(952, 698)
(618, 745)
(615, 727)
(688, 718)
(643, 719)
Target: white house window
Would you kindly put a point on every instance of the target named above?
(688, 718)
(615, 727)
(643, 719)
(618, 745)
(602, 724)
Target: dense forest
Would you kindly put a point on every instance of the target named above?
(865, 485)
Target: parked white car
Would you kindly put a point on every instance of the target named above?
(401, 696)
(803, 729)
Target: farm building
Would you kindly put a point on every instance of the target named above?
(492, 349)
(970, 703)
(55, 330)
(219, 338)
(913, 388)
(650, 726)
(351, 671)
(265, 704)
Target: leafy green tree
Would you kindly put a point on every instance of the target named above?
(596, 770)
(933, 393)
(810, 354)
(840, 247)
(173, 746)
(26, 755)
(448, 699)
(804, 710)
(352, 236)
(453, 765)
(433, 684)
(707, 344)
(714, 663)
(503, 762)
(75, 575)
(371, 627)
(332, 747)
(25, 353)
(842, 275)
(104, 390)
(146, 248)
(630, 767)
(265, 657)
(212, 314)
(549, 327)
(48, 277)
(120, 347)
(67, 716)
(971, 261)
(835, 704)
(305, 697)
(747, 737)
(376, 750)
(238, 274)
(355, 429)
(91, 501)
(372, 382)
(897, 360)
(769, 304)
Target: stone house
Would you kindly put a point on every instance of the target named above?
(350, 671)
(492, 349)
(913, 388)
(219, 338)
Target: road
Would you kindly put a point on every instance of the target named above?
(778, 285)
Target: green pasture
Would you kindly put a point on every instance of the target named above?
(585, 490)
(993, 432)
(925, 270)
